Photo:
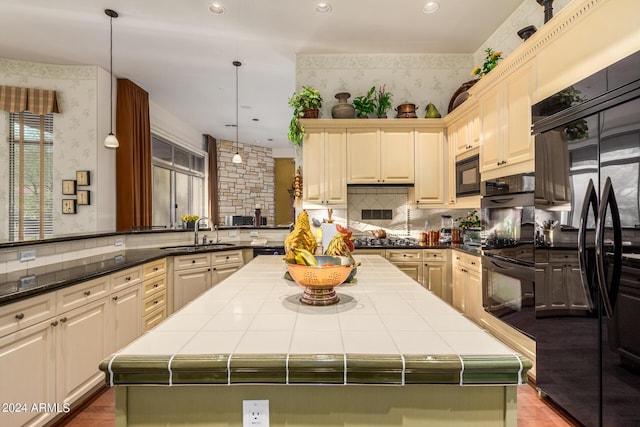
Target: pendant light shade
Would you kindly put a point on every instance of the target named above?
(236, 157)
(111, 141)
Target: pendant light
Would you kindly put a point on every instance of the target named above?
(111, 141)
(236, 157)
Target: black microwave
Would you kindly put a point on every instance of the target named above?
(468, 176)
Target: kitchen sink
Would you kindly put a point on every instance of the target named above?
(193, 248)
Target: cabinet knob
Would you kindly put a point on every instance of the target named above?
(115, 298)
(193, 261)
(54, 323)
(156, 285)
(128, 278)
(155, 268)
(473, 263)
(155, 302)
(20, 316)
(87, 293)
(227, 257)
(64, 319)
(208, 269)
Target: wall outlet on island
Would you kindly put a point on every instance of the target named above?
(253, 234)
(232, 233)
(255, 413)
(118, 242)
(27, 256)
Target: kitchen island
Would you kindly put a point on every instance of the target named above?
(389, 353)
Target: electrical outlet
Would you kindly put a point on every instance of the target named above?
(255, 413)
(232, 233)
(27, 256)
(118, 242)
(253, 234)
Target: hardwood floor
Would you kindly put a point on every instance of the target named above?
(532, 411)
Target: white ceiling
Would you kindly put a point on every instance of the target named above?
(182, 54)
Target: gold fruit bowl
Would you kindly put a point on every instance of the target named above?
(320, 280)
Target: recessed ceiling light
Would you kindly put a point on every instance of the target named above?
(323, 8)
(216, 9)
(431, 7)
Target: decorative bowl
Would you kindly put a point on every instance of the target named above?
(320, 280)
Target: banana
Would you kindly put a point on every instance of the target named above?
(303, 256)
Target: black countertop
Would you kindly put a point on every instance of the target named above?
(29, 285)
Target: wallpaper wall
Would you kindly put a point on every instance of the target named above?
(75, 136)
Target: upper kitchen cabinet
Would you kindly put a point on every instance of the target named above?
(430, 168)
(464, 133)
(324, 168)
(380, 155)
(507, 145)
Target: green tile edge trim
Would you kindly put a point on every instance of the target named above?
(316, 369)
(136, 369)
(374, 369)
(509, 369)
(426, 369)
(391, 369)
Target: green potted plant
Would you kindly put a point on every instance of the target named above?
(490, 63)
(382, 102)
(365, 104)
(306, 104)
(470, 225)
(189, 221)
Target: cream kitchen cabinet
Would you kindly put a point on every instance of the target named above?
(464, 133)
(324, 167)
(467, 285)
(380, 155)
(27, 369)
(430, 169)
(436, 272)
(155, 295)
(194, 274)
(126, 300)
(409, 261)
(507, 146)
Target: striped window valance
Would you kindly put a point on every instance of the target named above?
(37, 101)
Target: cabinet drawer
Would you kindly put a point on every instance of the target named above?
(25, 313)
(125, 278)
(154, 318)
(154, 302)
(154, 268)
(227, 257)
(153, 286)
(403, 255)
(434, 254)
(77, 295)
(191, 261)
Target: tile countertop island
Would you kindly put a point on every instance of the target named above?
(389, 353)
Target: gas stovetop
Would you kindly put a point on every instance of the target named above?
(363, 242)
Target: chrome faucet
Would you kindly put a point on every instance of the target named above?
(195, 230)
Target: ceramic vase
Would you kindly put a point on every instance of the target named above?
(343, 110)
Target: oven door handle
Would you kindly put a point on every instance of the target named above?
(608, 293)
(501, 200)
(590, 201)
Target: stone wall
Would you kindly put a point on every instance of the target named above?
(242, 186)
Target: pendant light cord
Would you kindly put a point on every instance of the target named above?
(237, 64)
(111, 72)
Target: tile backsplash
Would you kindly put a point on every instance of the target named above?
(404, 219)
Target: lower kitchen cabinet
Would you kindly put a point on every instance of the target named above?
(409, 261)
(155, 301)
(126, 322)
(212, 268)
(436, 272)
(467, 285)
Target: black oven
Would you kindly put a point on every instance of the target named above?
(468, 177)
(507, 216)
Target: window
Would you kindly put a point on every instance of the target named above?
(178, 183)
(30, 176)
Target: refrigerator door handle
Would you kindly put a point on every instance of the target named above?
(608, 293)
(590, 201)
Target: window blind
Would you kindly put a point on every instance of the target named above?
(30, 176)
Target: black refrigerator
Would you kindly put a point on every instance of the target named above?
(587, 246)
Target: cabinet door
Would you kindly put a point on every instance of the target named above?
(397, 156)
(457, 289)
(126, 317)
(473, 296)
(518, 141)
(557, 288)
(81, 344)
(363, 156)
(430, 169)
(313, 167)
(411, 269)
(491, 121)
(188, 284)
(473, 128)
(435, 279)
(27, 369)
(335, 167)
(218, 274)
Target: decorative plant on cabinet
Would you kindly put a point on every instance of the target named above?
(306, 104)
